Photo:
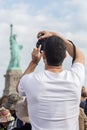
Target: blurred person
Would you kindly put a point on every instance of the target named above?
(82, 120)
(83, 96)
(12, 99)
(18, 108)
(53, 96)
(83, 99)
(83, 103)
(83, 89)
(6, 119)
(3, 100)
(22, 115)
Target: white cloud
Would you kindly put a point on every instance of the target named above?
(1, 0)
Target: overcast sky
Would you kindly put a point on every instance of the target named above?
(68, 17)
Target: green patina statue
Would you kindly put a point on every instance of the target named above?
(15, 52)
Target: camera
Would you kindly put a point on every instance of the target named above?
(42, 43)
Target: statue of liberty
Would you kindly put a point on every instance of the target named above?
(15, 49)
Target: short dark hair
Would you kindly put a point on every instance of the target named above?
(55, 50)
(84, 94)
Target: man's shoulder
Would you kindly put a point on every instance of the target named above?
(77, 64)
(78, 69)
(33, 74)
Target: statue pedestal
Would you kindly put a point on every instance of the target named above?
(11, 80)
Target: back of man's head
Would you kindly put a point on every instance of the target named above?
(55, 50)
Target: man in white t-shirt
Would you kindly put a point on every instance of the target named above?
(53, 96)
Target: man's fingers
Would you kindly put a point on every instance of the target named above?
(39, 48)
(41, 33)
(36, 50)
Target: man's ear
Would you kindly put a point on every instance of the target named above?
(66, 55)
(43, 54)
(44, 57)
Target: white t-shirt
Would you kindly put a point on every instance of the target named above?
(53, 98)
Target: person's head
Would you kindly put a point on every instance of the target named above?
(5, 116)
(83, 89)
(54, 51)
(12, 99)
(83, 96)
(3, 100)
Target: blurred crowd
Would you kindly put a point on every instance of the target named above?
(14, 113)
(83, 110)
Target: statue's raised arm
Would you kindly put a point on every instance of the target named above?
(15, 51)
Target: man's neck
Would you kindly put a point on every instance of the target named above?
(54, 69)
